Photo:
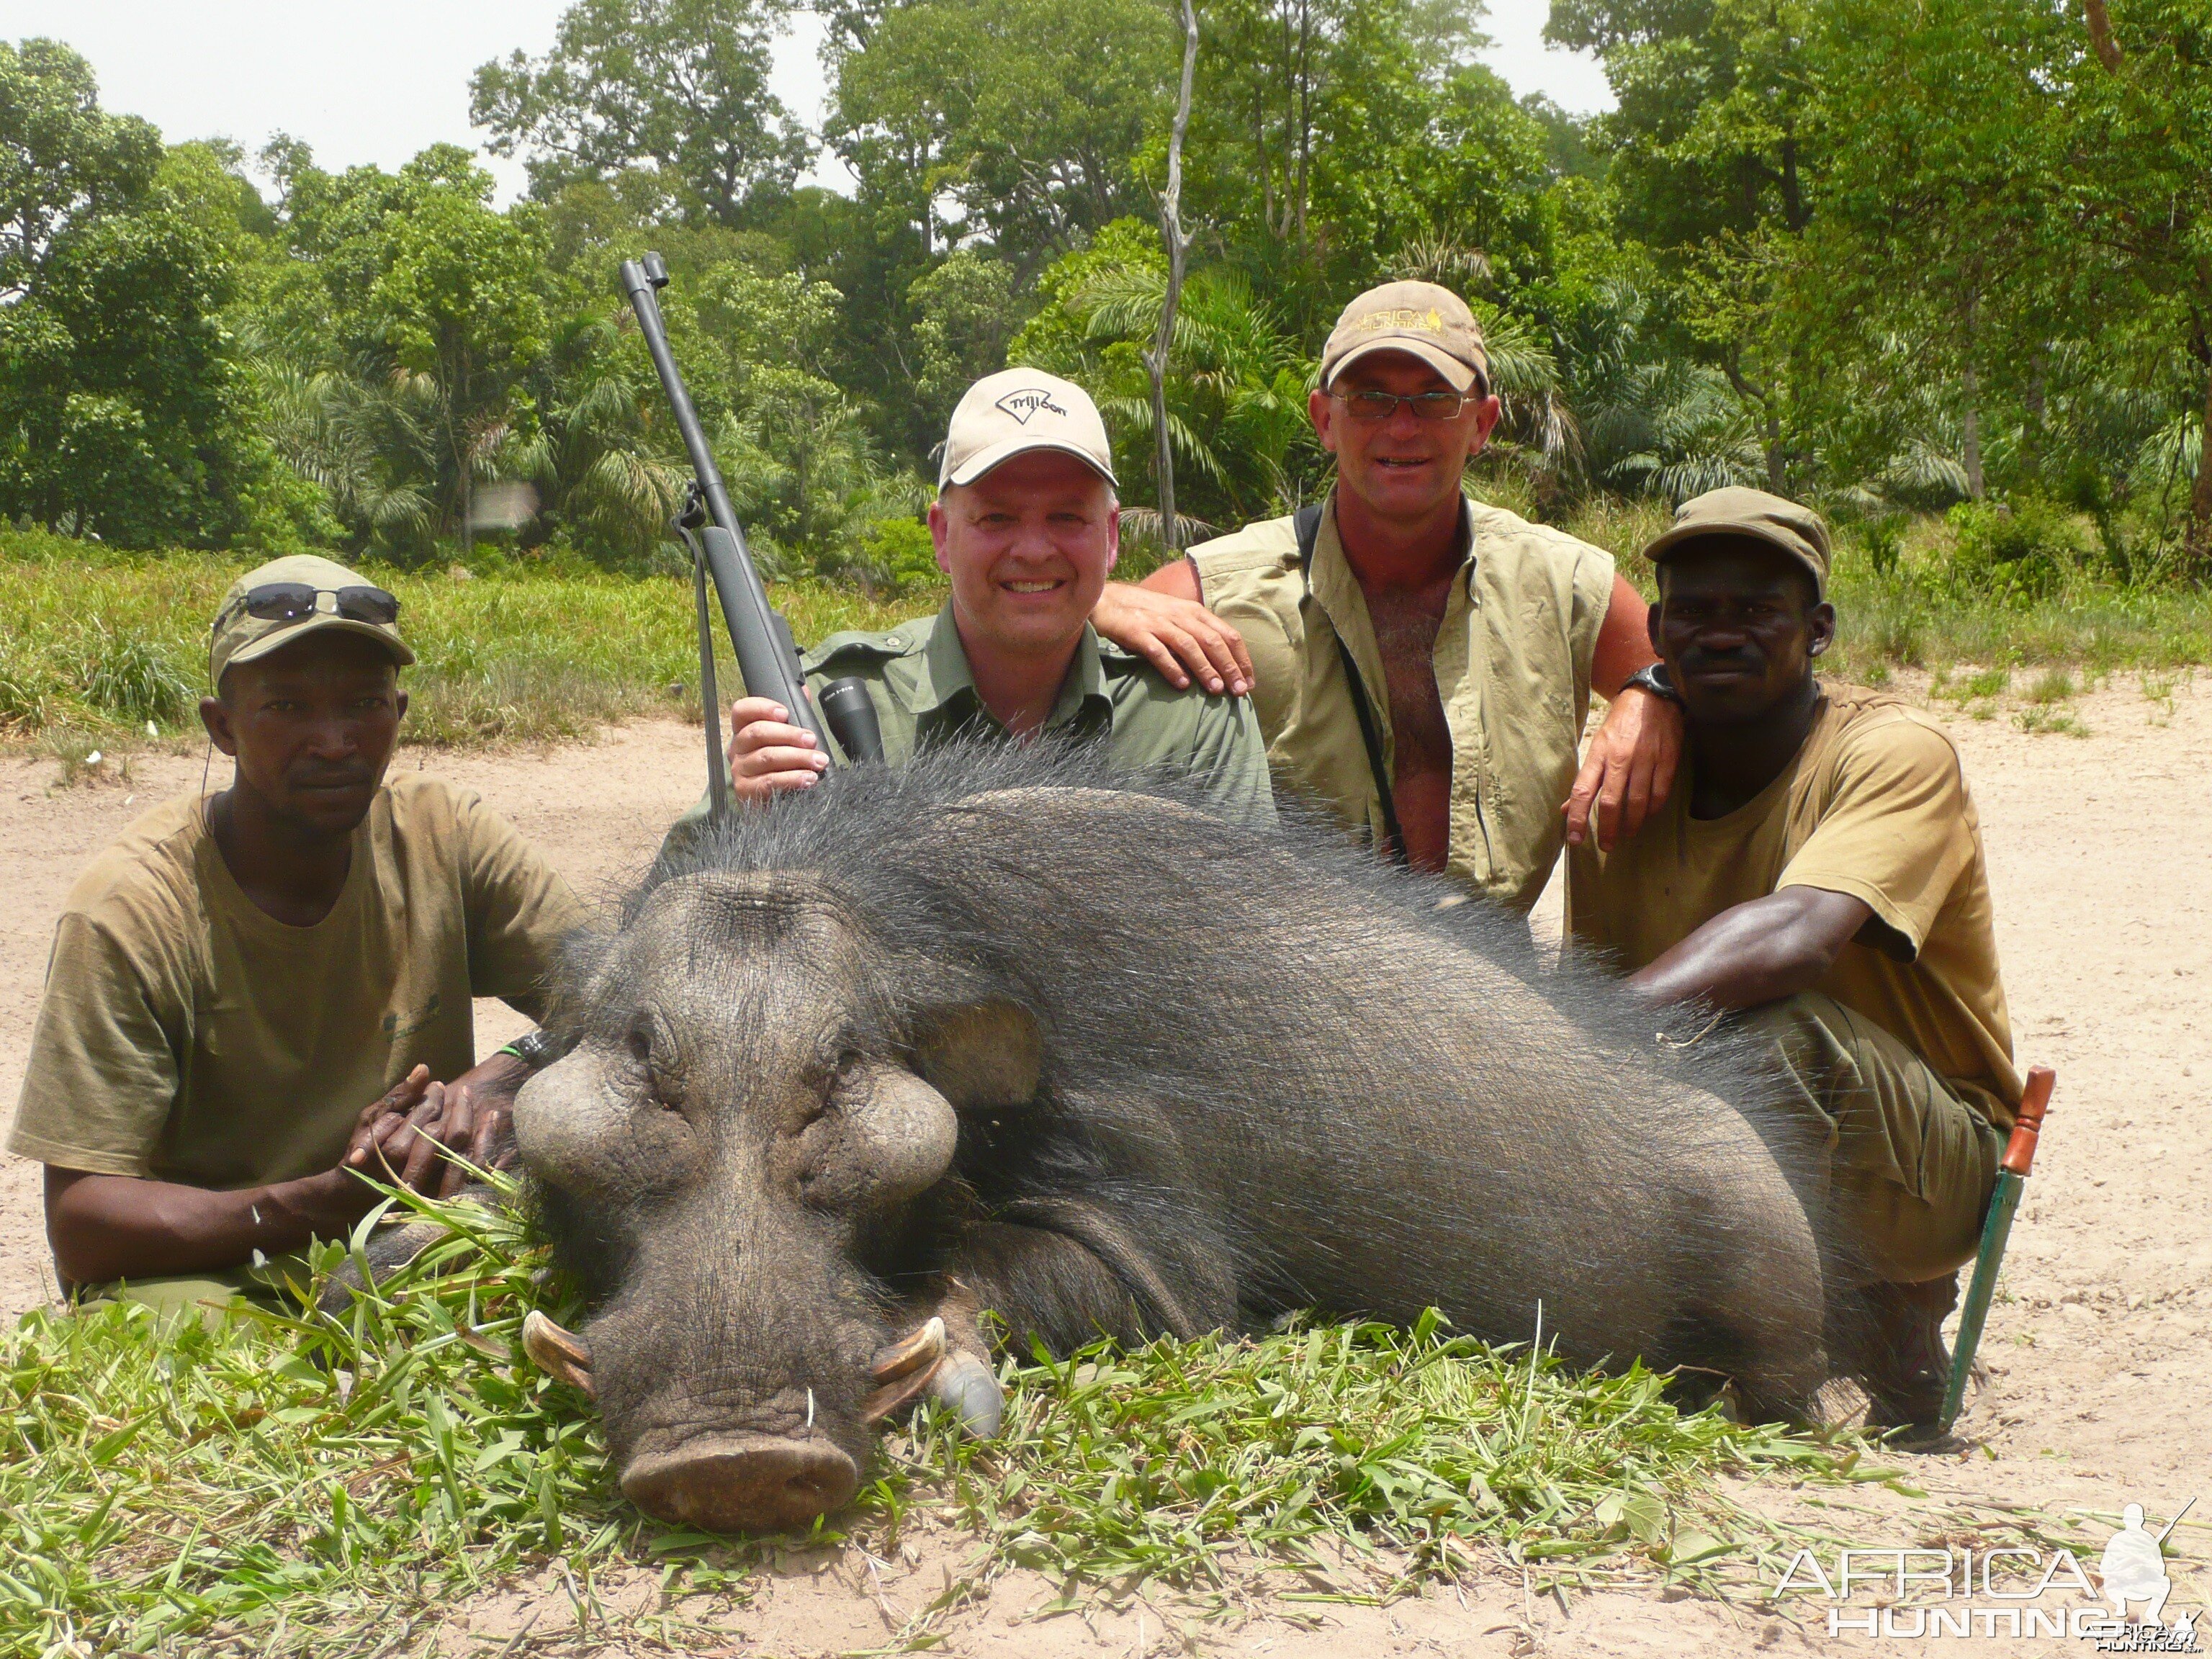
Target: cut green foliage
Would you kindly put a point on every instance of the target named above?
(1178, 1460)
(315, 1485)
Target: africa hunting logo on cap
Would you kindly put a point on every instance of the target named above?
(1419, 319)
(1014, 411)
(1023, 404)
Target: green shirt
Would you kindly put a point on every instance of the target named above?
(917, 676)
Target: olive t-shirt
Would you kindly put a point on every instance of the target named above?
(1874, 805)
(187, 1035)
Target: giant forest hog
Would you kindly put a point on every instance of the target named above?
(984, 1047)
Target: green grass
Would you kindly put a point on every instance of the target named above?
(318, 1486)
(1922, 614)
(99, 644)
(96, 645)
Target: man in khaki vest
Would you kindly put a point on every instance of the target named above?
(1421, 662)
(1818, 877)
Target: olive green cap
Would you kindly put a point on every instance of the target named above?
(1797, 531)
(236, 637)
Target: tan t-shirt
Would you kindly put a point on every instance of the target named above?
(1512, 665)
(1875, 806)
(187, 1035)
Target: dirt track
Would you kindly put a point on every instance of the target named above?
(2102, 868)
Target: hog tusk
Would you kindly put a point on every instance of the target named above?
(964, 1383)
(898, 1394)
(921, 1348)
(560, 1354)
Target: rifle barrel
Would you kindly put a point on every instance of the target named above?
(766, 657)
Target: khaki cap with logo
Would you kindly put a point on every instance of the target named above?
(1797, 531)
(238, 636)
(1419, 319)
(1018, 409)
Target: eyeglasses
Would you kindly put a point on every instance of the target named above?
(1372, 405)
(295, 601)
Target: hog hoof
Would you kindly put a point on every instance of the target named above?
(964, 1385)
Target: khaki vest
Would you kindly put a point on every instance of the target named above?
(1512, 666)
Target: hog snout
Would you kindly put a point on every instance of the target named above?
(743, 1482)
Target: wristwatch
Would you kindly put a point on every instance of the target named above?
(538, 1049)
(1654, 679)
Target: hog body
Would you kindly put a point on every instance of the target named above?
(986, 1039)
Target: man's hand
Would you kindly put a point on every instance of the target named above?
(1630, 769)
(768, 754)
(1170, 630)
(479, 1109)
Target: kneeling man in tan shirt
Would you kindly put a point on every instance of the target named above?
(1817, 875)
(258, 998)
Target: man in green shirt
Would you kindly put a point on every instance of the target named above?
(256, 998)
(1026, 526)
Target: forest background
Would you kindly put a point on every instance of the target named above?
(1943, 268)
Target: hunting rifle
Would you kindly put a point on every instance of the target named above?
(767, 659)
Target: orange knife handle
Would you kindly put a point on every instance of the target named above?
(2027, 1125)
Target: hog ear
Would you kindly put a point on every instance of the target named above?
(982, 1056)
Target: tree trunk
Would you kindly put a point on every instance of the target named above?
(1971, 385)
(2200, 498)
(1973, 425)
(2100, 33)
(1178, 246)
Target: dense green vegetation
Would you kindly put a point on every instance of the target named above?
(96, 644)
(320, 1485)
(1895, 259)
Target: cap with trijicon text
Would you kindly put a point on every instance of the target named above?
(1419, 319)
(1796, 530)
(1015, 410)
(302, 594)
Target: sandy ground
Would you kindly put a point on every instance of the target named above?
(2099, 1349)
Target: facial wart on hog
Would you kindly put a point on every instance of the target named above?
(984, 1047)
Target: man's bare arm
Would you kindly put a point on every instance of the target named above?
(104, 1227)
(1762, 951)
(1163, 620)
(1629, 769)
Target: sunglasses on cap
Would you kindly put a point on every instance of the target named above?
(296, 602)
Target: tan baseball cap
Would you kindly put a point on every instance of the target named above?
(239, 636)
(1797, 531)
(1419, 319)
(1018, 409)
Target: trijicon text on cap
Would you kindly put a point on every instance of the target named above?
(1026, 402)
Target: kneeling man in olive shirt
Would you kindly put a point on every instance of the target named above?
(1817, 874)
(257, 997)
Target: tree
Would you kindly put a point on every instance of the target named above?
(1177, 243)
(1713, 160)
(2140, 169)
(1023, 117)
(679, 85)
(125, 408)
(63, 160)
(413, 312)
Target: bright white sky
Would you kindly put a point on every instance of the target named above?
(378, 80)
